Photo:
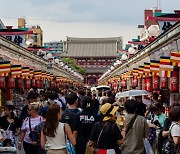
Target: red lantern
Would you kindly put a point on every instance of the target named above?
(155, 82)
(148, 84)
(33, 83)
(139, 83)
(27, 83)
(134, 82)
(52, 84)
(20, 83)
(2, 82)
(164, 82)
(11, 82)
(174, 81)
(38, 83)
(123, 83)
(144, 84)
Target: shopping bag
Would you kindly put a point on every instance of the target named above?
(70, 148)
(148, 147)
(90, 149)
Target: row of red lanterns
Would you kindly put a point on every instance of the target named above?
(155, 82)
(27, 83)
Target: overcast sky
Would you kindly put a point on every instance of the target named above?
(82, 18)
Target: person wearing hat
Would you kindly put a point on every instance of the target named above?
(106, 133)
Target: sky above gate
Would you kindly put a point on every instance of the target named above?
(83, 18)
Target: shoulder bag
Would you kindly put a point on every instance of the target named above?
(90, 147)
(130, 124)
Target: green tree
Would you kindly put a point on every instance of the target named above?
(71, 62)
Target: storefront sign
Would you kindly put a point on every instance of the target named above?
(18, 39)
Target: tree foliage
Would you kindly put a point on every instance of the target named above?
(71, 62)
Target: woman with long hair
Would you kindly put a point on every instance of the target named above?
(29, 144)
(54, 132)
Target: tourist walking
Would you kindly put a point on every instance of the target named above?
(83, 124)
(136, 131)
(106, 135)
(54, 132)
(28, 136)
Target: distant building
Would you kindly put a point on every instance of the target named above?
(147, 13)
(55, 46)
(37, 35)
(93, 54)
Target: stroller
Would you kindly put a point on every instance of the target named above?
(7, 145)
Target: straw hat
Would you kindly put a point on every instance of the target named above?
(108, 110)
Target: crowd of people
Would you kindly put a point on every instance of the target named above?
(61, 121)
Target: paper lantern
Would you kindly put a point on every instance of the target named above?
(164, 82)
(2, 82)
(174, 81)
(155, 82)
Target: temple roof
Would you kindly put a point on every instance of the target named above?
(93, 47)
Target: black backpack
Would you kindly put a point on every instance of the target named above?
(68, 116)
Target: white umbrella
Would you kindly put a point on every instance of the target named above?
(103, 87)
(131, 93)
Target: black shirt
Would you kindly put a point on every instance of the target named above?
(4, 124)
(109, 136)
(83, 124)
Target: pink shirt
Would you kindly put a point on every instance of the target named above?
(25, 127)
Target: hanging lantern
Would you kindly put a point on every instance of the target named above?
(123, 83)
(148, 84)
(52, 84)
(39, 83)
(155, 82)
(27, 84)
(134, 82)
(11, 82)
(139, 83)
(33, 83)
(174, 81)
(2, 82)
(164, 82)
(20, 83)
(144, 84)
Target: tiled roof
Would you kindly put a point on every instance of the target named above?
(93, 47)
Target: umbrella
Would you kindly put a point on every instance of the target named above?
(131, 93)
(103, 87)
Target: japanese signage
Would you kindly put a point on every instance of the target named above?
(18, 39)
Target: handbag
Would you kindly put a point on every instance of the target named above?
(69, 147)
(148, 147)
(90, 147)
(34, 136)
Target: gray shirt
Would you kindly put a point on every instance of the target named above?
(134, 140)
